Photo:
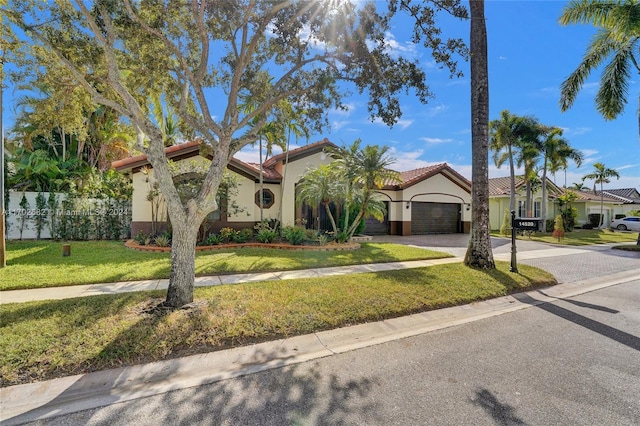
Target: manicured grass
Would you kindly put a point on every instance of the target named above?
(37, 264)
(41, 340)
(627, 247)
(581, 237)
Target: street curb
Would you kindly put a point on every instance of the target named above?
(36, 401)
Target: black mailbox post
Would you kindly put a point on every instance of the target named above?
(522, 224)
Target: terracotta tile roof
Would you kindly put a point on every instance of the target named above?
(303, 151)
(626, 195)
(593, 196)
(170, 152)
(412, 177)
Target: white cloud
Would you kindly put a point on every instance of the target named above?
(395, 48)
(502, 58)
(436, 141)
(628, 166)
(338, 124)
(576, 131)
(349, 108)
(403, 124)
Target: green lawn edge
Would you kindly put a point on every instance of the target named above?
(40, 264)
(47, 339)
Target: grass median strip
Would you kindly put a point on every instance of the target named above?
(39, 264)
(579, 237)
(42, 340)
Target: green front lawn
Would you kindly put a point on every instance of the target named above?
(42, 340)
(37, 264)
(580, 237)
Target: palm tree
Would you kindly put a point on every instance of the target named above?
(580, 186)
(365, 170)
(617, 37)
(528, 156)
(556, 152)
(479, 252)
(618, 24)
(506, 136)
(601, 175)
(320, 186)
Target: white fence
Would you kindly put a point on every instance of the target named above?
(82, 219)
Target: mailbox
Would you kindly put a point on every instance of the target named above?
(527, 223)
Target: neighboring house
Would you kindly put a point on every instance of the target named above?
(588, 202)
(629, 197)
(433, 199)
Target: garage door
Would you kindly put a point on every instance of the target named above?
(434, 218)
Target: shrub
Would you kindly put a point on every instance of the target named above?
(242, 236)
(549, 225)
(323, 239)
(293, 234)
(162, 241)
(266, 235)
(227, 234)
(140, 238)
(558, 228)
(505, 228)
(213, 240)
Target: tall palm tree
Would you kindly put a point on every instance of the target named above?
(479, 253)
(505, 138)
(556, 152)
(600, 175)
(527, 158)
(618, 23)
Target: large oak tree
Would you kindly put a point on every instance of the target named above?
(202, 58)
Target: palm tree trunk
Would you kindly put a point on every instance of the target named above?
(261, 185)
(512, 182)
(479, 254)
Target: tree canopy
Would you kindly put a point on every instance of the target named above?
(203, 58)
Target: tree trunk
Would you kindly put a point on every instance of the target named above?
(512, 181)
(543, 205)
(479, 254)
(183, 256)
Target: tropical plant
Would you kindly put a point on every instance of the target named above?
(579, 186)
(556, 152)
(506, 136)
(618, 36)
(364, 171)
(505, 227)
(601, 175)
(321, 185)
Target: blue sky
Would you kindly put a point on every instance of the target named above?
(530, 55)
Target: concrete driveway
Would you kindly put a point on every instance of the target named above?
(566, 263)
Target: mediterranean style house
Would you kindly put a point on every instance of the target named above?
(586, 203)
(434, 199)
